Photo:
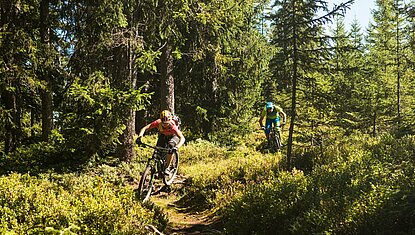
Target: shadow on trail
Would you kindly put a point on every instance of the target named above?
(264, 148)
(187, 214)
(197, 229)
(196, 222)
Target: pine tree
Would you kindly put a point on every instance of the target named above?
(45, 70)
(20, 44)
(221, 59)
(347, 75)
(298, 34)
(100, 106)
(386, 49)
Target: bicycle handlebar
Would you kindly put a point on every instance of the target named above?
(280, 126)
(153, 147)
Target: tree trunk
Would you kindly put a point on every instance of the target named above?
(12, 123)
(374, 124)
(141, 115)
(47, 121)
(167, 79)
(126, 149)
(9, 94)
(126, 81)
(32, 121)
(293, 95)
(398, 64)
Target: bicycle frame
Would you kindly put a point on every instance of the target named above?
(154, 169)
(275, 138)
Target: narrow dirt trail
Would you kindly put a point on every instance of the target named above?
(183, 220)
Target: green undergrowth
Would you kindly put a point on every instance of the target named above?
(40, 196)
(71, 204)
(351, 185)
(216, 174)
(97, 198)
(358, 185)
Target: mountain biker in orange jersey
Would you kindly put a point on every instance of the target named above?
(273, 115)
(169, 135)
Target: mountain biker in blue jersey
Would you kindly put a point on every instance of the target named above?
(273, 115)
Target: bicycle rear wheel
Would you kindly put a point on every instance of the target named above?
(145, 187)
(174, 165)
(277, 140)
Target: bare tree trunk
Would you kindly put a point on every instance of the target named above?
(398, 64)
(293, 116)
(374, 124)
(141, 115)
(127, 81)
(32, 121)
(167, 79)
(47, 123)
(293, 95)
(126, 149)
(47, 119)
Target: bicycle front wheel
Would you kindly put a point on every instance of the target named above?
(278, 140)
(174, 165)
(275, 141)
(145, 187)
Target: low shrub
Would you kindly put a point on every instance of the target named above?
(80, 204)
(364, 187)
(216, 174)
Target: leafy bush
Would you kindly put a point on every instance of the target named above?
(95, 114)
(37, 158)
(253, 213)
(362, 187)
(72, 203)
(216, 174)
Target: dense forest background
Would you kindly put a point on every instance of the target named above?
(79, 78)
(90, 73)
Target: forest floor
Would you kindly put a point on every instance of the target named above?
(183, 219)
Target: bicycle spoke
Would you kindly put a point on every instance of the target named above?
(146, 184)
(169, 178)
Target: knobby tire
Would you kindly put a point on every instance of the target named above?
(168, 179)
(275, 141)
(146, 183)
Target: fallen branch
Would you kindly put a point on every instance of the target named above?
(153, 229)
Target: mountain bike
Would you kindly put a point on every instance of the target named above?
(275, 138)
(155, 169)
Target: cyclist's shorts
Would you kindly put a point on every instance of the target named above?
(270, 122)
(168, 141)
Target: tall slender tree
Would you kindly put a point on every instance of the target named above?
(106, 43)
(44, 68)
(18, 43)
(224, 59)
(386, 49)
(347, 75)
(298, 34)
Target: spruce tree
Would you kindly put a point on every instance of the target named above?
(386, 47)
(347, 75)
(302, 48)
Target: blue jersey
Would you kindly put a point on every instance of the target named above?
(274, 114)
